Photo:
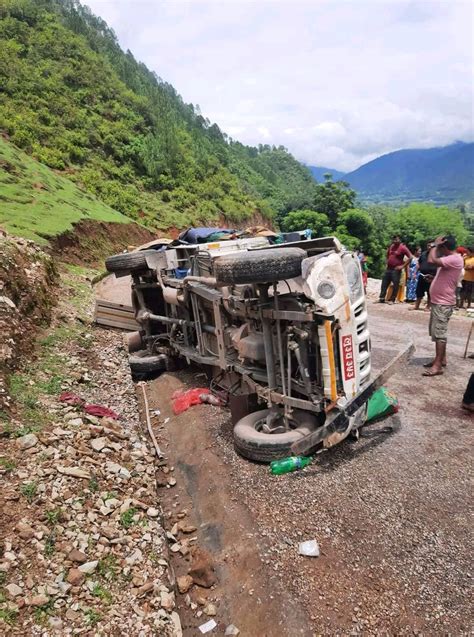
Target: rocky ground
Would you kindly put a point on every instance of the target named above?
(83, 550)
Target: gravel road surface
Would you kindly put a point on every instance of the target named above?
(392, 512)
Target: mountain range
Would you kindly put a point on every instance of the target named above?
(442, 175)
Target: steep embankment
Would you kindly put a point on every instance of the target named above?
(74, 100)
(28, 279)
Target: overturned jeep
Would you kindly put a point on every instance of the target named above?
(281, 330)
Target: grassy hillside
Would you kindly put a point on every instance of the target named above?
(74, 100)
(38, 204)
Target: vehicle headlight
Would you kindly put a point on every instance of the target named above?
(354, 279)
(326, 290)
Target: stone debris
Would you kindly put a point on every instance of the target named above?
(77, 556)
(184, 583)
(75, 472)
(210, 610)
(202, 569)
(88, 567)
(83, 550)
(231, 630)
(27, 442)
(14, 590)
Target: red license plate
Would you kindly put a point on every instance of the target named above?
(348, 357)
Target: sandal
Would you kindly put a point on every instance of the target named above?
(430, 372)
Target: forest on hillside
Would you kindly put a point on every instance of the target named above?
(78, 103)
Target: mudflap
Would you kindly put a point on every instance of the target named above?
(355, 422)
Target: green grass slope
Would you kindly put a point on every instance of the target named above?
(37, 204)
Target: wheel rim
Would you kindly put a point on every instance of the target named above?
(262, 427)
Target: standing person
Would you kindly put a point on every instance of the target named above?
(443, 297)
(396, 254)
(363, 266)
(467, 291)
(426, 274)
(413, 276)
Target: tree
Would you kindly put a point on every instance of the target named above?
(358, 229)
(333, 197)
(317, 222)
(419, 222)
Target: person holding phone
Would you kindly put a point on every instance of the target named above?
(443, 297)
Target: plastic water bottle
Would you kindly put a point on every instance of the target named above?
(286, 465)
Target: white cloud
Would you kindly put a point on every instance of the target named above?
(336, 82)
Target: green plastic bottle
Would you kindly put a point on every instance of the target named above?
(293, 463)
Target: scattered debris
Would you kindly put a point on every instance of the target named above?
(231, 630)
(310, 548)
(210, 610)
(207, 627)
(184, 400)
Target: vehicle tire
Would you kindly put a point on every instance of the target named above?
(128, 261)
(142, 363)
(253, 444)
(259, 266)
(133, 341)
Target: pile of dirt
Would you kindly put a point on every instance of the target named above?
(91, 241)
(28, 280)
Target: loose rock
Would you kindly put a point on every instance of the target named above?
(184, 583)
(202, 569)
(27, 442)
(75, 577)
(88, 567)
(14, 590)
(77, 556)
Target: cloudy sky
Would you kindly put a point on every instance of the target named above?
(338, 82)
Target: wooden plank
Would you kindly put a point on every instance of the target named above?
(119, 324)
(115, 315)
(110, 304)
(109, 312)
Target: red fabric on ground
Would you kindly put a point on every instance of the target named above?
(70, 398)
(183, 400)
(100, 412)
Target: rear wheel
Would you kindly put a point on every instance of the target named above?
(142, 364)
(253, 438)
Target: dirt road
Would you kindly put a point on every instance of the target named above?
(392, 512)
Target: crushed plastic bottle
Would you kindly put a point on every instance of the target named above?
(310, 548)
(292, 463)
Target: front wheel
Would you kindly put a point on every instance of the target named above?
(252, 441)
